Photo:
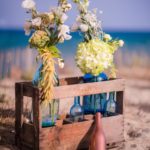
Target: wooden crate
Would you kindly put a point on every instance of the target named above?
(67, 136)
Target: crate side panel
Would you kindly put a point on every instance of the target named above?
(77, 135)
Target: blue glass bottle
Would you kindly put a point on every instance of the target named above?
(111, 104)
(94, 103)
(37, 75)
(76, 111)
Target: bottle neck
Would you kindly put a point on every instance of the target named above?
(111, 95)
(98, 121)
(77, 100)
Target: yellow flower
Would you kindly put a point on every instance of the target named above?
(45, 19)
(51, 17)
(39, 39)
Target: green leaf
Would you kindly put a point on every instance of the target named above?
(54, 51)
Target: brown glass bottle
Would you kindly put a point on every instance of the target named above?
(98, 141)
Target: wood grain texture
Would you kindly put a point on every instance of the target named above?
(88, 88)
(71, 80)
(18, 112)
(120, 102)
(77, 135)
(36, 117)
(27, 134)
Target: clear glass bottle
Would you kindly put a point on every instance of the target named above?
(76, 111)
(49, 112)
(111, 104)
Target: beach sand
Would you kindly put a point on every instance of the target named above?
(137, 113)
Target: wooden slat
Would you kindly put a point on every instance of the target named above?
(77, 135)
(88, 88)
(28, 90)
(27, 134)
(18, 112)
(120, 102)
(36, 117)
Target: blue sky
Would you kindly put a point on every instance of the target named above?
(117, 14)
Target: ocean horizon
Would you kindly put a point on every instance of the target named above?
(11, 39)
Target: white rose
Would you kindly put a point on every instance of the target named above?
(69, 6)
(61, 40)
(83, 27)
(78, 19)
(66, 7)
(121, 43)
(93, 24)
(67, 37)
(74, 27)
(27, 28)
(63, 30)
(28, 4)
(61, 63)
(107, 37)
(36, 22)
(63, 18)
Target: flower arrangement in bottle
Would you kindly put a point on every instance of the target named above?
(96, 53)
(48, 29)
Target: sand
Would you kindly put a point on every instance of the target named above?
(137, 115)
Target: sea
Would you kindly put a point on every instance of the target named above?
(134, 41)
(14, 45)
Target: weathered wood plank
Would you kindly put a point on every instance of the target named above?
(36, 117)
(27, 134)
(88, 88)
(18, 112)
(77, 135)
(120, 102)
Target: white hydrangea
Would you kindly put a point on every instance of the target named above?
(28, 4)
(94, 57)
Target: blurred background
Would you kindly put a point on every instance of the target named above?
(128, 20)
